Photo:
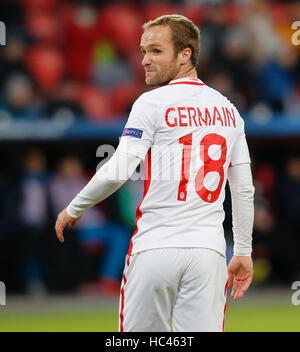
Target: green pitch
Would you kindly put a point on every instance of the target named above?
(277, 317)
(268, 317)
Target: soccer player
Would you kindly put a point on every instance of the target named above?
(191, 139)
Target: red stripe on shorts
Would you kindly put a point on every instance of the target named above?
(225, 292)
(122, 305)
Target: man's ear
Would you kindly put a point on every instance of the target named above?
(185, 55)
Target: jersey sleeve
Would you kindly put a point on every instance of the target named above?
(240, 153)
(139, 130)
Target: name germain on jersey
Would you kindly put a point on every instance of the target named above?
(190, 116)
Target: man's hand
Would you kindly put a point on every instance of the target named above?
(64, 219)
(240, 273)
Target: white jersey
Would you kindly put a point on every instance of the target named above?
(188, 134)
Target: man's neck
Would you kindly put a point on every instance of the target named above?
(185, 73)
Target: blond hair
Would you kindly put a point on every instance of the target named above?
(183, 31)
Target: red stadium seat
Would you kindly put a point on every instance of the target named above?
(123, 26)
(39, 5)
(79, 40)
(153, 10)
(43, 26)
(46, 66)
(279, 12)
(194, 12)
(123, 97)
(232, 14)
(96, 103)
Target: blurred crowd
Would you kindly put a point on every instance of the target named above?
(276, 235)
(31, 259)
(276, 228)
(75, 59)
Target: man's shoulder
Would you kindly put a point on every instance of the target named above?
(159, 95)
(167, 89)
(150, 98)
(215, 94)
(153, 93)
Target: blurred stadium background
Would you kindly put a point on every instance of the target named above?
(69, 73)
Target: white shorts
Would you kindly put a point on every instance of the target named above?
(180, 287)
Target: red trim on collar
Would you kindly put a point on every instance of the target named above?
(187, 82)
